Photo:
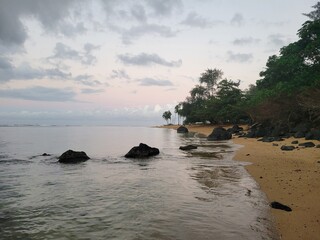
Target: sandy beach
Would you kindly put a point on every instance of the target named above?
(289, 177)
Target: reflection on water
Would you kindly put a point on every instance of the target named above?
(200, 194)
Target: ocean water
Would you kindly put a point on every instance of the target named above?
(202, 194)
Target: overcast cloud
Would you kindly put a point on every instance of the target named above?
(39, 93)
(145, 59)
(66, 50)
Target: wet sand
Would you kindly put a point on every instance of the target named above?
(289, 177)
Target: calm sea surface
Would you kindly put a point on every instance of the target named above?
(175, 195)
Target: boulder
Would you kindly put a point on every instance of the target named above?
(142, 151)
(71, 156)
(287, 148)
(188, 147)
(307, 144)
(235, 129)
(182, 129)
(271, 139)
(219, 134)
(280, 206)
(314, 134)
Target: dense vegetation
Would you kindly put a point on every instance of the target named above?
(287, 93)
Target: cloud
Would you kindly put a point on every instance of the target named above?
(277, 40)
(120, 74)
(138, 12)
(165, 7)
(246, 41)
(91, 91)
(237, 20)
(64, 52)
(54, 16)
(39, 93)
(154, 82)
(87, 80)
(194, 20)
(135, 32)
(144, 59)
(25, 72)
(239, 57)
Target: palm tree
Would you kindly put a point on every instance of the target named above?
(167, 115)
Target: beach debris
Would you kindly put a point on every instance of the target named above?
(188, 147)
(287, 148)
(219, 134)
(295, 142)
(71, 156)
(307, 144)
(142, 151)
(280, 206)
(182, 129)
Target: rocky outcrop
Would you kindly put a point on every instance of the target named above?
(219, 134)
(71, 156)
(188, 147)
(182, 129)
(142, 151)
(235, 129)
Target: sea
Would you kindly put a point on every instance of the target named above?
(177, 195)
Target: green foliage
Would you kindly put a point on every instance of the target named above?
(167, 115)
(286, 92)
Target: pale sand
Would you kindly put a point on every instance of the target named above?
(289, 177)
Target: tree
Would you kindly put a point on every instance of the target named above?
(210, 78)
(167, 115)
(314, 15)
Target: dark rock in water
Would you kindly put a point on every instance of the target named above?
(280, 206)
(218, 134)
(45, 155)
(182, 129)
(188, 147)
(142, 151)
(307, 144)
(287, 148)
(71, 156)
(295, 142)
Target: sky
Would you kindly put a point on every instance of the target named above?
(125, 62)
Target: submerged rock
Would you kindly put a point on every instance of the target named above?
(218, 134)
(277, 205)
(182, 129)
(188, 147)
(71, 156)
(142, 151)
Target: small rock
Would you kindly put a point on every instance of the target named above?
(307, 144)
(188, 147)
(295, 142)
(318, 146)
(275, 144)
(287, 148)
(280, 206)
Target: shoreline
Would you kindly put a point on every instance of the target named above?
(289, 177)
